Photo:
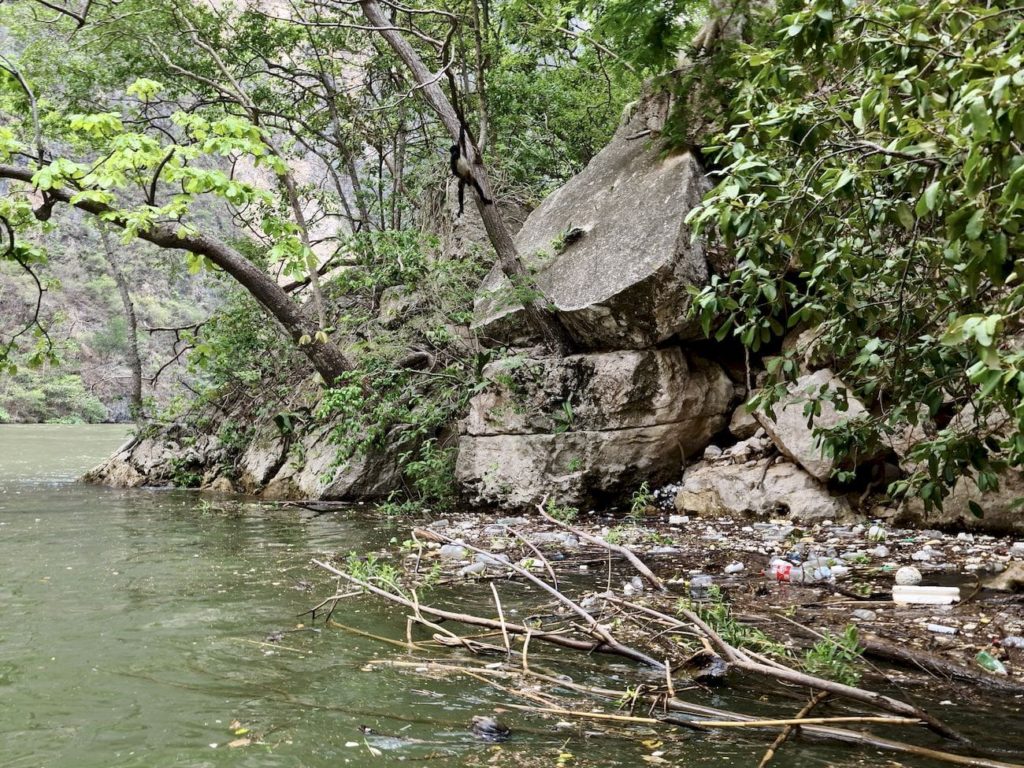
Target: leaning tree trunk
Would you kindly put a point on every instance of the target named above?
(326, 358)
(134, 360)
(539, 316)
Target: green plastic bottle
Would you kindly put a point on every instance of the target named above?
(990, 663)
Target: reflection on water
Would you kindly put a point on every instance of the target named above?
(133, 632)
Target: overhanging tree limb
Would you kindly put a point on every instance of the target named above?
(539, 316)
(325, 357)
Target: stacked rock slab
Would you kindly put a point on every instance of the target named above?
(610, 249)
(587, 426)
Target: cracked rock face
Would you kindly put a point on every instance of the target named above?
(587, 426)
(316, 475)
(303, 467)
(1000, 508)
(610, 249)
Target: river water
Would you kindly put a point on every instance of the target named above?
(133, 630)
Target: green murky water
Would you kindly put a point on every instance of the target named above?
(132, 629)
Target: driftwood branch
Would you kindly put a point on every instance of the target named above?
(816, 699)
(555, 638)
(625, 552)
(745, 663)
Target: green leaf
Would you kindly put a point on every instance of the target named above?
(975, 224)
(905, 215)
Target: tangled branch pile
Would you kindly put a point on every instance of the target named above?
(688, 644)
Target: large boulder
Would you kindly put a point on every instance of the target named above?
(304, 464)
(610, 249)
(789, 429)
(758, 489)
(587, 426)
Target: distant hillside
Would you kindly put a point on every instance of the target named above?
(86, 321)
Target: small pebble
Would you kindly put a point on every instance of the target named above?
(864, 614)
(881, 551)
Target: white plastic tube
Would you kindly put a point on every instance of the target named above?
(919, 595)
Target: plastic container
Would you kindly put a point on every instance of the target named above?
(700, 586)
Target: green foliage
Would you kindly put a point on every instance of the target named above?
(718, 615)
(385, 406)
(563, 513)
(873, 186)
(549, 123)
(372, 570)
(564, 418)
(431, 470)
(648, 34)
(385, 258)
(641, 499)
(397, 506)
(836, 658)
(40, 395)
(112, 339)
(238, 348)
(184, 474)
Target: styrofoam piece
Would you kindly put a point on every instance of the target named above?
(918, 595)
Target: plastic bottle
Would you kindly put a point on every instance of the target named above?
(700, 586)
(990, 663)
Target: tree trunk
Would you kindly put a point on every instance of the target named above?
(134, 360)
(328, 360)
(545, 322)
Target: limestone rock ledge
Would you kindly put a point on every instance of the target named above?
(587, 427)
(271, 465)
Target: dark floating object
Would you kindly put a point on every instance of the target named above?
(706, 668)
(275, 637)
(489, 729)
